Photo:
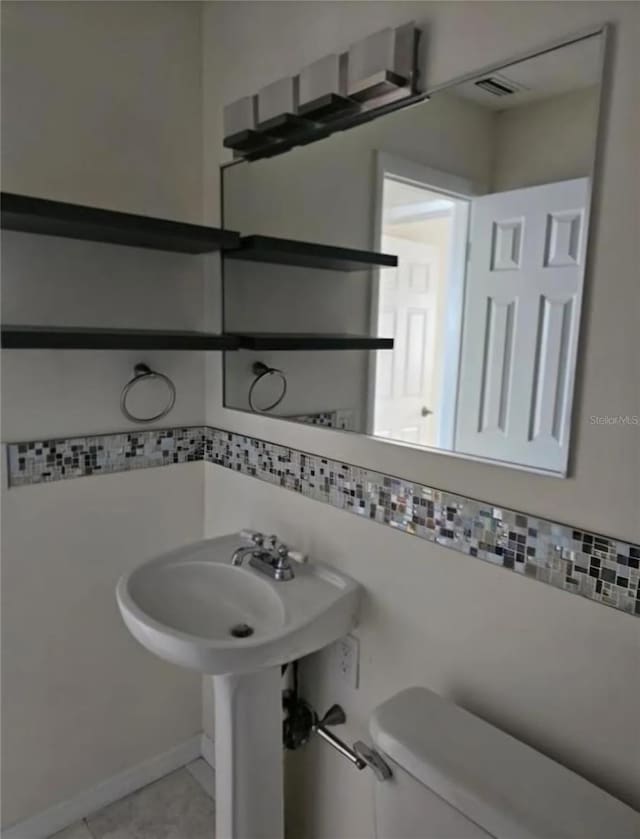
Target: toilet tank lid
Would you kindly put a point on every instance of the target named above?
(504, 786)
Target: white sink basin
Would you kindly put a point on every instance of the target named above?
(188, 606)
(183, 606)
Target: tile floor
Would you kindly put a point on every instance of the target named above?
(178, 806)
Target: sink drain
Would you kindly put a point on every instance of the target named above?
(241, 630)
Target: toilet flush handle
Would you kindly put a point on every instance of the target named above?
(360, 755)
(373, 760)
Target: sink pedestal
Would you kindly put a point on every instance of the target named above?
(248, 753)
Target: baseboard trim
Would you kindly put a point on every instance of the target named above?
(106, 792)
(207, 750)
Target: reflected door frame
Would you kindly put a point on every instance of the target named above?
(452, 186)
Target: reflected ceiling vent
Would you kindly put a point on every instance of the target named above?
(499, 85)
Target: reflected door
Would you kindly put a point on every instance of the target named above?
(522, 305)
(404, 391)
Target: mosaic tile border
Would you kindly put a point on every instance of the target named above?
(600, 568)
(327, 419)
(42, 461)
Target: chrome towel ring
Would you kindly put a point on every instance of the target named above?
(141, 372)
(261, 371)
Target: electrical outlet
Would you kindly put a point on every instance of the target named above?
(346, 660)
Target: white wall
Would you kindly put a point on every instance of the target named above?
(549, 140)
(559, 672)
(101, 104)
(81, 699)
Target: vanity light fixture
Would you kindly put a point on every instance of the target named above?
(240, 120)
(330, 94)
(383, 67)
(323, 89)
(277, 109)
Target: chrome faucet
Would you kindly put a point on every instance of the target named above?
(268, 555)
(241, 553)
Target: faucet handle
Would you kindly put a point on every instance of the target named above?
(291, 554)
(252, 536)
(297, 556)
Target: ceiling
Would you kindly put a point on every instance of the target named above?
(563, 70)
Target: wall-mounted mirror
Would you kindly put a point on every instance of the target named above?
(482, 192)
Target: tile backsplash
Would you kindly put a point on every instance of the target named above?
(74, 457)
(597, 567)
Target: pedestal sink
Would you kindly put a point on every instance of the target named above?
(236, 624)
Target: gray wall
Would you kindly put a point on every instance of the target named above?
(101, 104)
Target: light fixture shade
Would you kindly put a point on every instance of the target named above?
(240, 116)
(328, 95)
(320, 79)
(383, 65)
(370, 55)
(322, 90)
(405, 53)
(276, 99)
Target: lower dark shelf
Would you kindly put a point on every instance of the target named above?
(82, 338)
(311, 341)
(72, 338)
(308, 254)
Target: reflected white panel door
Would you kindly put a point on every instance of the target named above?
(404, 396)
(522, 309)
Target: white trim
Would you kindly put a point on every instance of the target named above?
(402, 169)
(207, 750)
(454, 313)
(374, 290)
(106, 792)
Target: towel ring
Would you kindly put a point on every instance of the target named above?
(142, 372)
(260, 371)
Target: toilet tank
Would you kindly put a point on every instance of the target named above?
(457, 777)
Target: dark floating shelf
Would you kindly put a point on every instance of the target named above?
(311, 341)
(308, 254)
(80, 338)
(74, 221)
